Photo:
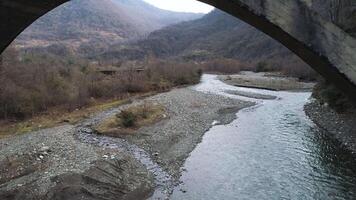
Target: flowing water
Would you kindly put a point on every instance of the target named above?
(271, 151)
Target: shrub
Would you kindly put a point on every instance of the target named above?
(222, 65)
(128, 118)
(290, 66)
(38, 82)
(174, 72)
(261, 67)
(145, 110)
(299, 70)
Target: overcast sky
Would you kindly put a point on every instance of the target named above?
(181, 5)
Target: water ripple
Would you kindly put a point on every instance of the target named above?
(272, 151)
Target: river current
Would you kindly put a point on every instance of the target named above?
(271, 151)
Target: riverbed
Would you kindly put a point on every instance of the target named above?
(217, 142)
(271, 151)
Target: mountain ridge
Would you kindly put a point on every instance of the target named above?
(81, 25)
(216, 34)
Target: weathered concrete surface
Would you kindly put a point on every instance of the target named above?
(310, 29)
(16, 15)
(340, 12)
(321, 32)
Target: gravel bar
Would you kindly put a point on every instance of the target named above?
(46, 163)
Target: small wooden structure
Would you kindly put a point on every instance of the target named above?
(111, 70)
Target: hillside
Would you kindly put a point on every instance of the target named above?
(217, 34)
(149, 18)
(83, 24)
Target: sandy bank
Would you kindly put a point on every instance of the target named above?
(261, 81)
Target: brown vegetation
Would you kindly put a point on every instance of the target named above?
(56, 116)
(224, 65)
(127, 121)
(292, 68)
(32, 84)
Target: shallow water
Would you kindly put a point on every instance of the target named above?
(271, 151)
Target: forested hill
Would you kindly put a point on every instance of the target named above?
(216, 34)
(84, 25)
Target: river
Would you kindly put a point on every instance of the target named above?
(271, 151)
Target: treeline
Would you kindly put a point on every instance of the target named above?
(33, 83)
(293, 68)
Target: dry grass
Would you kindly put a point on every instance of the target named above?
(143, 115)
(55, 117)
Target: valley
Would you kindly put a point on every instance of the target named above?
(119, 99)
(150, 160)
(86, 27)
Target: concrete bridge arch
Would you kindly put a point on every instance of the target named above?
(320, 32)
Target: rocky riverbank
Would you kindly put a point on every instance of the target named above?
(190, 114)
(61, 163)
(341, 126)
(52, 164)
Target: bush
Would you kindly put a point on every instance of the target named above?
(261, 67)
(173, 72)
(38, 82)
(300, 70)
(223, 65)
(128, 118)
(292, 67)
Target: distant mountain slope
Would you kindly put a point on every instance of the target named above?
(83, 24)
(215, 34)
(151, 18)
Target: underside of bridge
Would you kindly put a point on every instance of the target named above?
(321, 32)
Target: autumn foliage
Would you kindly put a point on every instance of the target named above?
(31, 83)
